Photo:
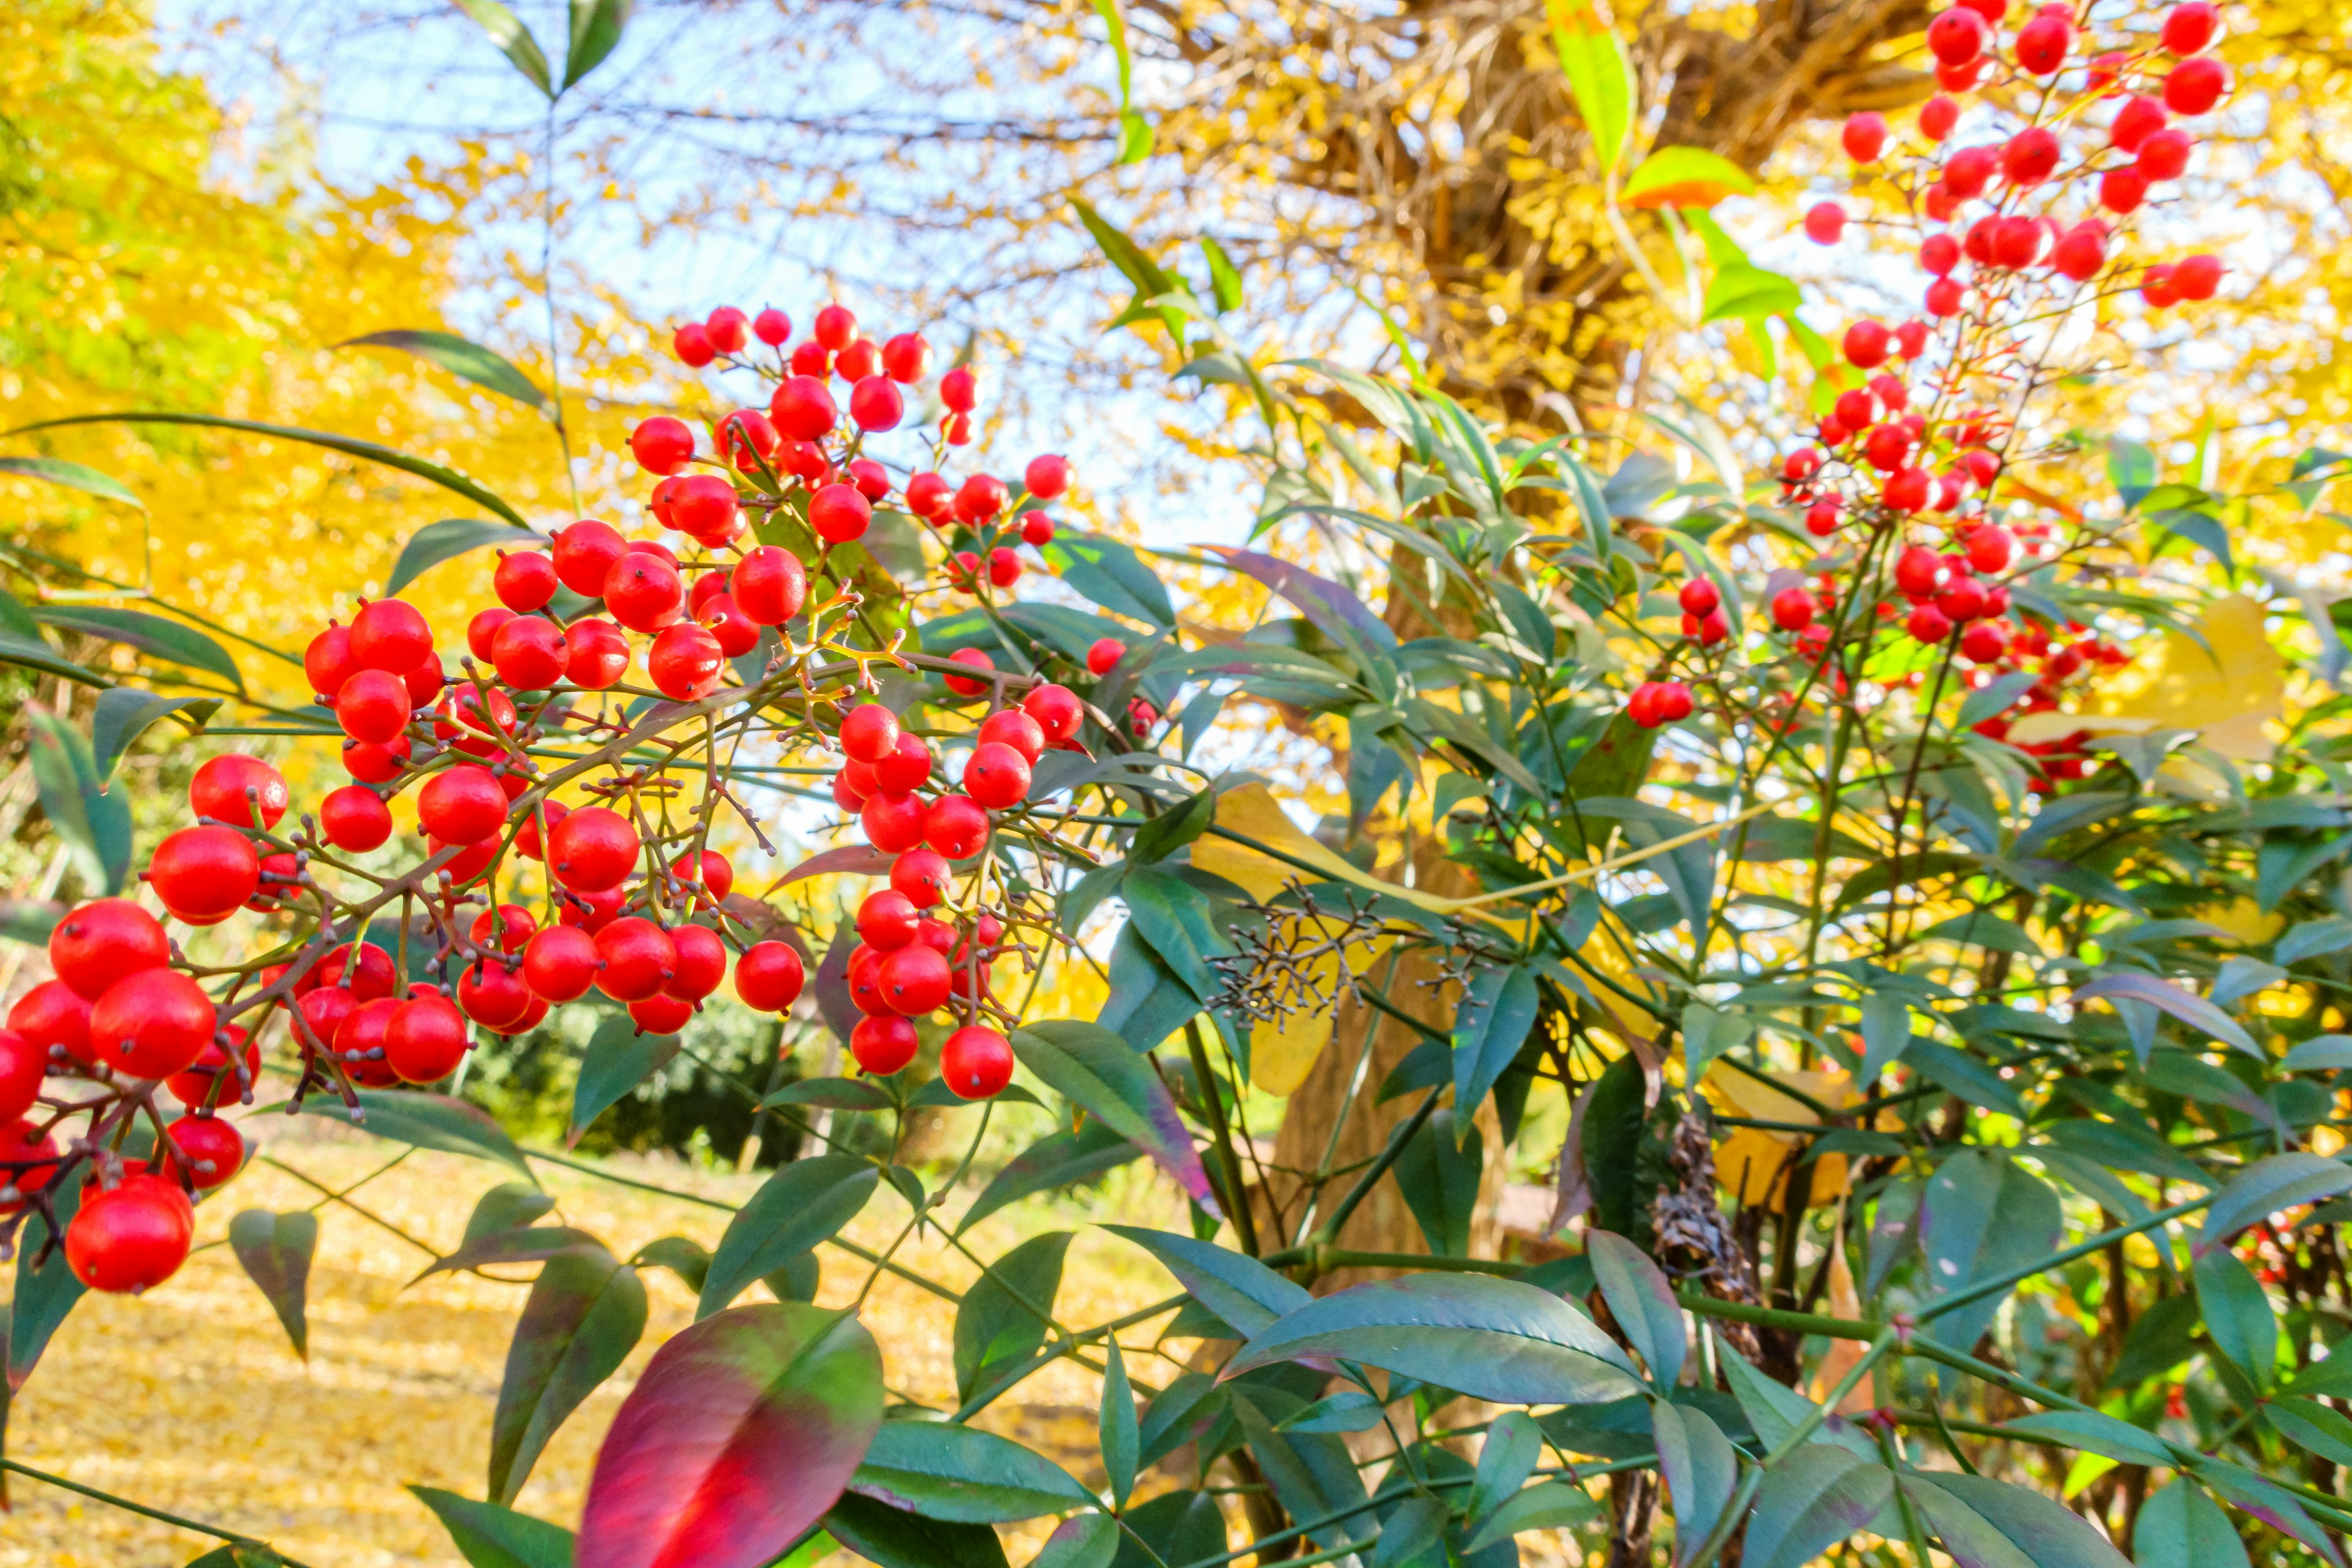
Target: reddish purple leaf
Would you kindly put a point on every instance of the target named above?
(740, 1436)
(849, 860)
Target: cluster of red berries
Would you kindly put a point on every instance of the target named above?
(1902, 461)
(637, 906)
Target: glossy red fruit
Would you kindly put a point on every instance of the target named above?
(1003, 567)
(803, 408)
(1037, 528)
(980, 498)
(327, 660)
(1984, 643)
(869, 732)
(638, 959)
(240, 791)
(1056, 710)
(491, 993)
(1927, 623)
(371, 976)
(23, 1066)
(1963, 599)
(596, 656)
(1991, 548)
(907, 358)
(375, 765)
(955, 826)
(325, 1014)
(661, 1014)
(734, 631)
(2042, 45)
(835, 327)
(728, 329)
(1826, 223)
(358, 1044)
(644, 592)
(194, 1086)
(997, 776)
(1793, 609)
(550, 812)
(530, 653)
(482, 631)
(710, 872)
(426, 1039)
(2031, 156)
(2188, 28)
(772, 327)
(768, 586)
(508, 928)
(584, 555)
(470, 861)
(2165, 154)
(101, 942)
(892, 822)
(876, 404)
(662, 445)
(914, 979)
(698, 964)
(1937, 116)
(921, 875)
(686, 662)
(929, 496)
(560, 964)
(886, 920)
(2140, 118)
(207, 1148)
(373, 707)
(151, 1025)
(18, 1145)
(908, 766)
(390, 634)
(203, 875)
(1103, 654)
(1015, 728)
(1957, 36)
(1864, 136)
(703, 506)
(838, 513)
(593, 848)
(2197, 277)
(883, 1045)
(1908, 489)
(977, 1062)
(861, 359)
(2156, 287)
(132, 1236)
(964, 686)
(1046, 477)
(2195, 86)
(462, 805)
(1866, 345)
(769, 976)
(691, 344)
(2081, 254)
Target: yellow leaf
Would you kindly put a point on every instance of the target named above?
(1283, 1051)
(2225, 692)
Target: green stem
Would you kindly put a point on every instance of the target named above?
(182, 1521)
(1236, 1194)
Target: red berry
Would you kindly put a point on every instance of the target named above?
(2081, 254)
(662, 445)
(907, 358)
(1103, 654)
(914, 979)
(493, 993)
(2043, 43)
(691, 344)
(2165, 154)
(462, 805)
(728, 329)
(237, 790)
(132, 1236)
(2197, 277)
(772, 327)
(811, 358)
(1698, 597)
(151, 1025)
(328, 661)
(1056, 710)
(1910, 342)
(1927, 623)
(1984, 643)
(560, 964)
(1012, 726)
(803, 408)
(2188, 28)
(977, 1062)
(2136, 121)
(638, 958)
(598, 656)
(835, 327)
(876, 404)
(508, 928)
(960, 389)
(907, 766)
(17, 1144)
(1037, 528)
(770, 585)
(194, 1086)
(2031, 156)
(1963, 599)
(1792, 608)
(53, 1016)
(593, 848)
(886, 920)
(736, 632)
(425, 1040)
(1939, 253)
(2195, 86)
(1907, 489)
(892, 822)
(1864, 136)
(661, 1014)
(525, 581)
(530, 654)
(921, 874)
(586, 554)
(1937, 116)
(980, 498)
(23, 1066)
(390, 634)
(1957, 36)
(1865, 341)
(1047, 477)
(203, 875)
(1642, 707)
(838, 513)
(2156, 287)
(956, 827)
(1970, 170)
(883, 1045)
(929, 496)
(869, 732)
(1991, 548)
(643, 591)
(1826, 223)
(686, 662)
(997, 776)
(964, 686)
(1003, 567)
(102, 940)
(697, 965)
(768, 977)
(1944, 297)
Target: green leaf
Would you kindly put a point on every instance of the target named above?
(2180, 1527)
(509, 1206)
(1642, 1301)
(2266, 1186)
(1313, 1475)
(1055, 1161)
(276, 1250)
(963, 1475)
(445, 541)
(1161, 836)
(1599, 76)
(1700, 1467)
(804, 1204)
(1237, 1287)
(686, 1258)
(896, 1539)
(738, 1438)
(73, 475)
(1992, 699)
(151, 634)
(125, 713)
(513, 39)
(596, 33)
(1686, 177)
(30, 921)
(833, 1093)
(1513, 1445)
(2190, 1009)
(1813, 1498)
(447, 478)
(1982, 1216)
(21, 643)
(2045, 1532)
(490, 1536)
(618, 1058)
(1546, 1505)
(1118, 1434)
(92, 823)
(2238, 1315)
(2094, 1432)
(44, 1295)
(2162, 1338)
(425, 1120)
(1096, 1071)
(1225, 279)
(2312, 1426)
(1492, 1024)
(1412, 1528)
(1776, 1411)
(585, 1313)
(2131, 469)
(1112, 575)
(1746, 291)
(1490, 1339)
(1081, 1540)
(466, 360)
(1438, 1171)
(999, 1325)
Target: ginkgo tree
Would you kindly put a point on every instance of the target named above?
(1922, 891)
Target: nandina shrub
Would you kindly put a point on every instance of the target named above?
(1929, 1111)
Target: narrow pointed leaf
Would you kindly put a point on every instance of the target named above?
(740, 1434)
(1488, 1030)
(154, 636)
(425, 1120)
(2049, 1533)
(467, 360)
(1118, 1434)
(73, 475)
(125, 713)
(1546, 1505)
(1816, 1496)
(2266, 1186)
(445, 541)
(513, 39)
(93, 823)
(1237, 1287)
(1513, 1445)
(490, 1536)
(1701, 1472)
(596, 33)
(276, 1250)
(1055, 1161)
(896, 1539)
(1003, 1320)
(618, 1058)
(1102, 1075)
(1642, 1302)
(585, 1313)
(963, 1475)
(2180, 1527)
(805, 1203)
